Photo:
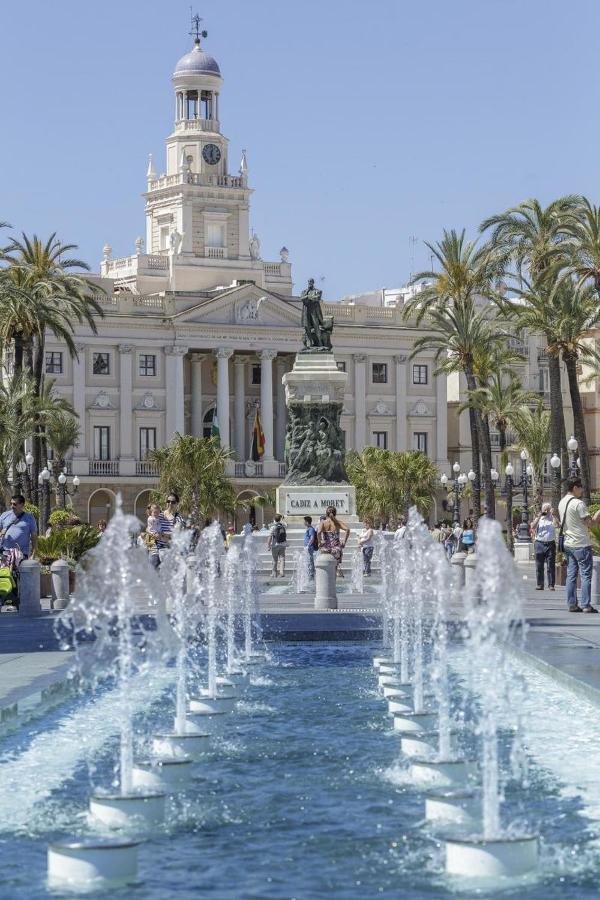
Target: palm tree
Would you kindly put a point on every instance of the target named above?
(532, 426)
(43, 294)
(534, 236)
(388, 484)
(62, 434)
(583, 243)
(195, 469)
(459, 329)
(501, 400)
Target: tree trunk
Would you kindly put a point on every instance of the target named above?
(558, 439)
(476, 443)
(570, 360)
(18, 361)
(486, 455)
(509, 525)
(39, 436)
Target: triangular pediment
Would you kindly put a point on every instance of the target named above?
(247, 305)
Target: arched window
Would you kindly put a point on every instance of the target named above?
(207, 423)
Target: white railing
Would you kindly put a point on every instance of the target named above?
(165, 181)
(105, 299)
(379, 312)
(197, 125)
(146, 468)
(104, 466)
(216, 252)
(282, 470)
(149, 300)
(258, 469)
(240, 469)
(156, 261)
(272, 268)
(338, 311)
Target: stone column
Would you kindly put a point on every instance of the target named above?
(29, 588)
(441, 418)
(174, 396)
(325, 585)
(197, 421)
(80, 461)
(401, 389)
(266, 400)
(223, 355)
(126, 455)
(239, 405)
(360, 400)
(280, 409)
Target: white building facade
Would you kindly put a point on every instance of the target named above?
(196, 325)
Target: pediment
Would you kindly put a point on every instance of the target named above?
(249, 306)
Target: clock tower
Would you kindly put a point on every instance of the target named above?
(197, 209)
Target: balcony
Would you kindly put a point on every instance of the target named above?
(167, 181)
(146, 469)
(104, 467)
(216, 252)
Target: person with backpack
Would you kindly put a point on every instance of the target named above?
(311, 544)
(18, 528)
(277, 543)
(575, 541)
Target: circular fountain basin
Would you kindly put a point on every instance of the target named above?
(442, 773)
(414, 723)
(225, 686)
(206, 705)
(120, 811)
(181, 746)
(400, 704)
(254, 658)
(92, 863)
(382, 661)
(390, 679)
(162, 774)
(237, 677)
(397, 690)
(451, 806)
(478, 857)
(425, 744)
(389, 668)
(202, 723)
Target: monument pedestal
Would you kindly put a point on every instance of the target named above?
(316, 479)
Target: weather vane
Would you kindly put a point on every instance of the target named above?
(196, 27)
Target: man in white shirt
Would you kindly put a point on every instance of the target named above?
(544, 530)
(575, 521)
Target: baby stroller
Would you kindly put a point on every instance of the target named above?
(10, 560)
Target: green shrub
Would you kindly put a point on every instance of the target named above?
(58, 517)
(33, 509)
(67, 543)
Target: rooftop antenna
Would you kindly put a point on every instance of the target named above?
(411, 244)
(195, 29)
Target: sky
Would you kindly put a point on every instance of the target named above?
(369, 127)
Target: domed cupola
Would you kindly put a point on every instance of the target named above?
(197, 81)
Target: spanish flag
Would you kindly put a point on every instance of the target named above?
(258, 439)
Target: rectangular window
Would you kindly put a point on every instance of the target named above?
(380, 438)
(419, 374)
(147, 364)
(420, 441)
(341, 366)
(101, 442)
(54, 363)
(379, 372)
(101, 364)
(215, 234)
(164, 237)
(256, 374)
(147, 441)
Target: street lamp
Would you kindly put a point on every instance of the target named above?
(64, 490)
(572, 445)
(523, 535)
(458, 483)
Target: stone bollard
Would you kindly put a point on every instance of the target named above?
(469, 569)
(458, 561)
(596, 581)
(29, 588)
(60, 583)
(325, 594)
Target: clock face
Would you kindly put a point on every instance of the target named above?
(211, 154)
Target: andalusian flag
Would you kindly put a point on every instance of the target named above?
(258, 440)
(214, 428)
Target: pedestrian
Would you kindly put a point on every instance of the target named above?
(246, 529)
(101, 525)
(574, 534)
(468, 536)
(311, 544)
(401, 529)
(365, 542)
(230, 534)
(18, 529)
(167, 520)
(544, 531)
(276, 544)
(328, 533)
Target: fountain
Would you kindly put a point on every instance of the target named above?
(251, 656)
(300, 582)
(180, 578)
(357, 581)
(111, 632)
(494, 620)
(234, 673)
(216, 698)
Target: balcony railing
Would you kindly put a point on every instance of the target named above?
(104, 466)
(146, 468)
(282, 470)
(216, 252)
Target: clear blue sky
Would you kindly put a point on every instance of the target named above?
(364, 123)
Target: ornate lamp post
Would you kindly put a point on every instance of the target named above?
(523, 536)
(46, 483)
(64, 491)
(572, 445)
(458, 484)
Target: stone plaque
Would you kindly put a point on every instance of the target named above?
(313, 501)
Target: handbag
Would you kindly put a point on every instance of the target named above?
(561, 537)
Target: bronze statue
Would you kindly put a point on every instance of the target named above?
(317, 330)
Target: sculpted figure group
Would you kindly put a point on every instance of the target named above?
(315, 451)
